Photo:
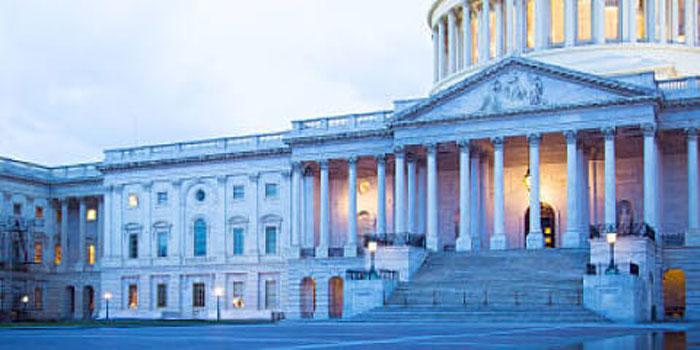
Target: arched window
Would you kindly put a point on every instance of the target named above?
(200, 237)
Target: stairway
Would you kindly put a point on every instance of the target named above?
(686, 259)
(494, 286)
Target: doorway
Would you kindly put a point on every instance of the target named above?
(547, 223)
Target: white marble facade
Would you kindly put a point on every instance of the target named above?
(249, 218)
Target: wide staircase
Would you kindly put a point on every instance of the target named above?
(494, 286)
(686, 259)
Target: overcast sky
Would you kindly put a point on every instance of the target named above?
(78, 77)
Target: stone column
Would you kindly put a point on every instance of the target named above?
(422, 197)
(441, 43)
(101, 217)
(690, 26)
(693, 234)
(308, 239)
(498, 32)
(400, 191)
(381, 194)
(519, 23)
(542, 20)
(296, 203)
(64, 233)
(351, 242)
(432, 238)
(324, 223)
(464, 242)
(476, 204)
(610, 201)
(452, 41)
(510, 27)
(663, 33)
(411, 194)
(484, 42)
(650, 175)
(535, 239)
(633, 20)
(436, 54)
(572, 238)
(569, 22)
(82, 232)
(674, 20)
(599, 21)
(467, 33)
(498, 240)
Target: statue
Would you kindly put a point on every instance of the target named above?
(624, 217)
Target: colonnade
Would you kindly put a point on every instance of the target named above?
(474, 31)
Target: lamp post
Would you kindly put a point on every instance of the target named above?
(25, 301)
(218, 292)
(372, 247)
(612, 268)
(107, 297)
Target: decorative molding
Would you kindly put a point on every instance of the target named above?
(608, 133)
(323, 164)
(431, 147)
(649, 129)
(221, 179)
(571, 136)
(399, 151)
(691, 133)
(254, 177)
(464, 145)
(352, 160)
(498, 141)
(534, 139)
(381, 158)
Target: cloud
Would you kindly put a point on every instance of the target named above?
(77, 77)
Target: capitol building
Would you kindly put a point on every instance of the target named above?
(549, 174)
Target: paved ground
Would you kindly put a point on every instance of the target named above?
(297, 335)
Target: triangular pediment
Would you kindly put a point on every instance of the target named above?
(518, 85)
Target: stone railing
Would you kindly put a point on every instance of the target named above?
(349, 121)
(49, 174)
(197, 148)
(682, 87)
(396, 239)
(636, 229)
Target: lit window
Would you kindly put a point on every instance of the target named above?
(39, 212)
(133, 296)
(612, 19)
(57, 254)
(38, 253)
(270, 240)
(38, 300)
(133, 246)
(557, 21)
(238, 290)
(162, 244)
(200, 195)
(198, 295)
(238, 241)
(133, 201)
(91, 215)
(91, 254)
(238, 192)
(584, 20)
(200, 238)
(270, 190)
(270, 294)
(162, 295)
(162, 198)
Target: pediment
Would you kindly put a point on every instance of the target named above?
(517, 85)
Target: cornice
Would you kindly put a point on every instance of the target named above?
(316, 139)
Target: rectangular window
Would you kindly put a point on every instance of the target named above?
(162, 244)
(38, 300)
(162, 295)
(198, 295)
(270, 190)
(133, 246)
(91, 254)
(237, 241)
(17, 209)
(238, 192)
(133, 296)
(39, 212)
(162, 198)
(91, 214)
(133, 201)
(270, 240)
(57, 254)
(270, 294)
(38, 253)
(238, 290)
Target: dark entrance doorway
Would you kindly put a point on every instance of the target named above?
(547, 222)
(674, 294)
(308, 297)
(335, 306)
(88, 302)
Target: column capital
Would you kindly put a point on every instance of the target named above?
(431, 147)
(691, 133)
(464, 144)
(221, 179)
(253, 177)
(323, 164)
(534, 139)
(411, 158)
(381, 158)
(147, 185)
(286, 173)
(352, 160)
(649, 129)
(608, 132)
(571, 136)
(296, 165)
(498, 141)
(399, 150)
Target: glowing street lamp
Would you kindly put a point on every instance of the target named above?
(25, 301)
(108, 297)
(372, 247)
(218, 292)
(612, 268)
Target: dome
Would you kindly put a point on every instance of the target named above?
(604, 37)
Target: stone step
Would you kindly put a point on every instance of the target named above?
(479, 314)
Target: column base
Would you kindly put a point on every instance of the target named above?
(321, 252)
(431, 244)
(350, 251)
(692, 237)
(464, 244)
(498, 242)
(572, 239)
(535, 240)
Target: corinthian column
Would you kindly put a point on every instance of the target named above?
(351, 244)
(693, 234)
(452, 41)
(464, 242)
(324, 225)
(484, 42)
(535, 239)
(498, 240)
(572, 238)
(432, 236)
(381, 194)
(400, 191)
